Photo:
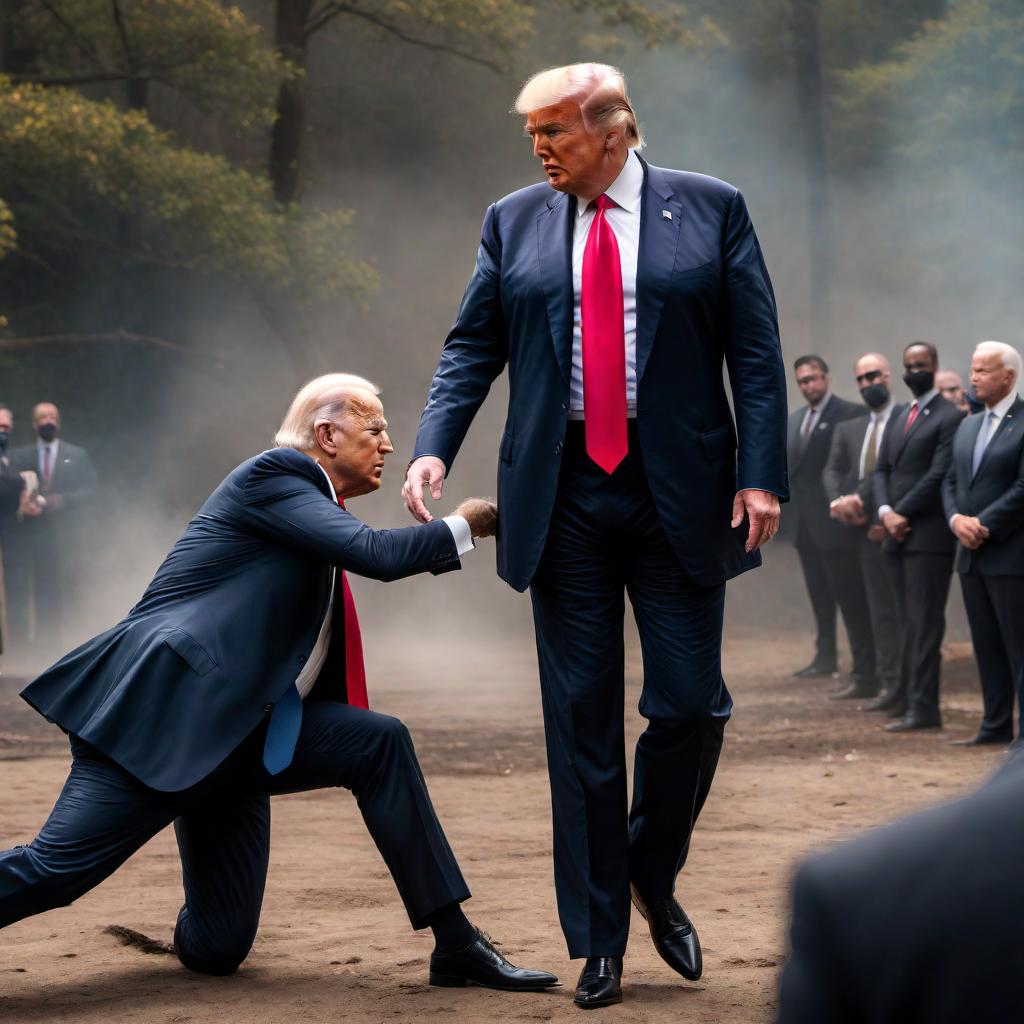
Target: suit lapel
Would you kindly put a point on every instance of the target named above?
(659, 238)
(1008, 427)
(554, 250)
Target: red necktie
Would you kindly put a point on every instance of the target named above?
(911, 416)
(355, 669)
(604, 344)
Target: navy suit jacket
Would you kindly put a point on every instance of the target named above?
(995, 494)
(222, 631)
(703, 297)
(806, 474)
(909, 472)
(73, 476)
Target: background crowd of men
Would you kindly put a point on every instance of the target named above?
(45, 489)
(888, 500)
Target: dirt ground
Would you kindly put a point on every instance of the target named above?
(798, 771)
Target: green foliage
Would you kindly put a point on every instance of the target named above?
(950, 99)
(202, 49)
(78, 167)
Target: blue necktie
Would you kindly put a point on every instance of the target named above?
(982, 439)
(283, 732)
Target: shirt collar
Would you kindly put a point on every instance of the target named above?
(877, 415)
(626, 190)
(52, 445)
(334, 495)
(925, 398)
(814, 409)
(1003, 406)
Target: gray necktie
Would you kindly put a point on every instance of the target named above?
(982, 441)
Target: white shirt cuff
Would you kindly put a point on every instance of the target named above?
(882, 509)
(461, 532)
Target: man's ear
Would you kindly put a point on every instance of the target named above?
(612, 139)
(324, 433)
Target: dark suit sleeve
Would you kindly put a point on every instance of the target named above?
(811, 988)
(291, 510)
(925, 494)
(949, 482)
(11, 486)
(474, 353)
(883, 464)
(1007, 511)
(753, 354)
(837, 466)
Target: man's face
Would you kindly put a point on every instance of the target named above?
(812, 381)
(871, 370)
(45, 413)
(917, 358)
(573, 159)
(950, 386)
(991, 381)
(6, 420)
(362, 441)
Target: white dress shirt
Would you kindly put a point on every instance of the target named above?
(813, 416)
(997, 413)
(307, 678)
(881, 418)
(624, 219)
(54, 447)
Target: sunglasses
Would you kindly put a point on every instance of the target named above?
(870, 377)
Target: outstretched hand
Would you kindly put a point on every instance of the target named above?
(427, 470)
(763, 510)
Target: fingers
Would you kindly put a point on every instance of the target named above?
(436, 482)
(737, 510)
(413, 494)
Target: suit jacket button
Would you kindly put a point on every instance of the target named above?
(558, 448)
(268, 707)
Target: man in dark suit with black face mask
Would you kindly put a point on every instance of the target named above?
(818, 538)
(912, 462)
(983, 495)
(848, 483)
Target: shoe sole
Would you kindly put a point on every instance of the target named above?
(597, 1004)
(688, 976)
(459, 981)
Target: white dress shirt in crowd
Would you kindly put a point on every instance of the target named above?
(996, 414)
(877, 419)
(307, 678)
(813, 417)
(41, 448)
(624, 219)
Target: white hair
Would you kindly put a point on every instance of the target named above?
(320, 400)
(1009, 356)
(599, 89)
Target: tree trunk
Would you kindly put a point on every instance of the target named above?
(810, 101)
(289, 126)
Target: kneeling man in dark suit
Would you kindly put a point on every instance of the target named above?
(239, 676)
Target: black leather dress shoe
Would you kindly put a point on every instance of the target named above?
(674, 936)
(481, 964)
(894, 703)
(984, 740)
(600, 982)
(855, 691)
(814, 671)
(910, 722)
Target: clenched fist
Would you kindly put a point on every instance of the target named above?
(481, 514)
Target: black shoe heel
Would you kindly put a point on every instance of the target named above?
(447, 980)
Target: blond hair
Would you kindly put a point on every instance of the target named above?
(600, 91)
(323, 399)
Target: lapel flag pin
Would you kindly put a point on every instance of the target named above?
(667, 214)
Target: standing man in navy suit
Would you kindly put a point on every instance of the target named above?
(239, 676)
(983, 495)
(615, 292)
(912, 462)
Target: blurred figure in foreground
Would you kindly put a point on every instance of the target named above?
(818, 538)
(920, 922)
(848, 477)
(918, 548)
(983, 497)
(239, 676)
(951, 386)
(44, 549)
(12, 486)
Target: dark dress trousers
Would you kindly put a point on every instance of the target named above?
(658, 528)
(908, 477)
(168, 713)
(992, 577)
(873, 597)
(818, 538)
(11, 486)
(938, 899)
(45, 550)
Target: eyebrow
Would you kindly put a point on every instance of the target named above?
(377, 423)
(547, 126)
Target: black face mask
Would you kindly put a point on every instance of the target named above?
(48, 431)
(4, 438)
(875, 395)
(920, 382)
